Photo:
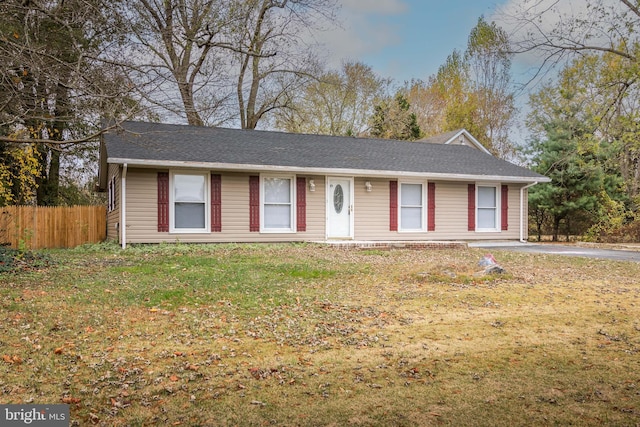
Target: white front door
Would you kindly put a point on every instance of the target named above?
(339, 208)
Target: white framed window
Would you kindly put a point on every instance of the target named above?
(277, 195)
(487, 208)
(189, 207)
(412, 206)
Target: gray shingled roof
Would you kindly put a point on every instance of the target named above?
(154, 143)
(442, 138)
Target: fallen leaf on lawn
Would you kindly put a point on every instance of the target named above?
(70, 400)
(12, 359)
(58, 350)
(174, 378)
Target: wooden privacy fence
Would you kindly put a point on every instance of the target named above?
(38, 227)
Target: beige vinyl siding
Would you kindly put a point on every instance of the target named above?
(371, 211)
(141, 205)
(372, 214)
(463, 140)
(514, 212)
(113, 217)
(142, 211)
(452, 211)
(316, 206)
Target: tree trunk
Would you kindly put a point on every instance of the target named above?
(186, 92)
(48, 182)
(556, 228)
(539, 220)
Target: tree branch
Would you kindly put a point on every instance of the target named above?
(51, 142)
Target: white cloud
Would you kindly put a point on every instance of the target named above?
(362, 29)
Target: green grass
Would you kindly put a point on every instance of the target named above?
(306, 335)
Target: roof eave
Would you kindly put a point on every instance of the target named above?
(324, 171)
(471, 138)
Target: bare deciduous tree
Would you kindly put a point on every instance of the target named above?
(471, 90)
(603, 38)
(274, 57)
(171, 47)
(53, 90)
(218, 62)
(338, 103)
(553, 31)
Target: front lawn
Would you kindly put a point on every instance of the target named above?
(311, 335)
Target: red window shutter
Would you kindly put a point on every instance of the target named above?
(216, 203)
(472, 207)
(431, 206)
(301, 204)
(393, 205)
(504, 207)
(254, 203)
(163, 201)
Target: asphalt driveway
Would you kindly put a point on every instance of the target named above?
(559, 249)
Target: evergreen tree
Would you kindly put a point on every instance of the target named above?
(577, 135)
(577, 178)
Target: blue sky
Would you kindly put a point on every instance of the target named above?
(411, 39)
(405, 39)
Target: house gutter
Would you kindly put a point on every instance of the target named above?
(522, 239)
(325, 171)
(123, 206)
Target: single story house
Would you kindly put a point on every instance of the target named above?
(170, 183)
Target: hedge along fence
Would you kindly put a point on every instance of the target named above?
(38, 227)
